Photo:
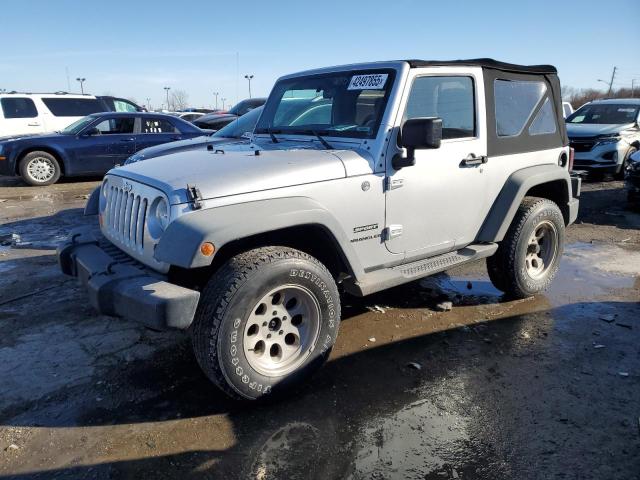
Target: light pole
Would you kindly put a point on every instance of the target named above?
(216, 95)
(148, 104)
(223, 100)
(249, 77)
(81, 80)
(166, 89)
(633, 85)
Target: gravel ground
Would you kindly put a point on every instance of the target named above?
(493, 389)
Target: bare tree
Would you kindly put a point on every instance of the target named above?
(179, 100)
(579, 96)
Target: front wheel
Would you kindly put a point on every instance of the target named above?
(529, 255)
(39, 169)
(625, 162)
(266, 320)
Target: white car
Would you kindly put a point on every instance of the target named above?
(189, 116)
(29, 113)
(567, 109)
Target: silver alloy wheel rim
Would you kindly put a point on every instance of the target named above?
(41, 169)
(541, 249)
(281, 330)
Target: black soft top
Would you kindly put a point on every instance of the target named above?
(486, 63)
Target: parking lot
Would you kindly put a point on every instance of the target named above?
(540, 388)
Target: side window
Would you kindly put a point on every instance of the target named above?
(18, 107)
(114, 126)
(450, 98)
(156, 125)
(515, 103)
(545, 121)
(73, 107)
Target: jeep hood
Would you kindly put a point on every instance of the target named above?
(595, 129)
(181, 145)
(234, 169)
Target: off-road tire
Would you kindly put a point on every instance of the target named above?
(227, 302)
(620, 173)
(27, 163)
(507, 267)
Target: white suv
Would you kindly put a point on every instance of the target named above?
(28, 113)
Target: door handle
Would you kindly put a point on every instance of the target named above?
(127, 139)
(33, 124)
(177, 137)
(472, 160)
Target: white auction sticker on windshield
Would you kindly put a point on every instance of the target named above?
(375, 81)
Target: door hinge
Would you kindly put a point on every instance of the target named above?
(392, 231)
(393, 183)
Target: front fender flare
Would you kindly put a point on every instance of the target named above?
(180, 243)
(514, 190)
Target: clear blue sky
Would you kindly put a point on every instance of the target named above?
(134, 48)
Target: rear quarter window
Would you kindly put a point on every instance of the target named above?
(18, 107)
(73, 107)
(157, 125)
(515, 103)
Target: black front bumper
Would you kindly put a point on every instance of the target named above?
(122, 287)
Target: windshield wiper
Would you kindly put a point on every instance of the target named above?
(324, 143)
(273, 137)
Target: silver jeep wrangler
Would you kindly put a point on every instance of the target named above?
(368, 176)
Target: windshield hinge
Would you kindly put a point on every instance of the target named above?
(393, 183)
(194, 196)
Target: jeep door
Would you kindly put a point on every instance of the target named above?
(439, 203)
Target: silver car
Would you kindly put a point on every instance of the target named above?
(604, 134)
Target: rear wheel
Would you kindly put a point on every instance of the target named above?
(39, 168)
(266, 320)
(528, 257)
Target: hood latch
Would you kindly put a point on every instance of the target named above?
(194, 196)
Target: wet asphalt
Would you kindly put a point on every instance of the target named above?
(542, 388)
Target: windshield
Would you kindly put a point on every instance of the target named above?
(609, 113)
(241, 126)
(341, 104)
(77, 126)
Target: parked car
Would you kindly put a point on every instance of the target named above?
(89, 146)
(632, 179)
(27, 113)
(215, 121)
(238, 131)
(567, 109)
(413, 171)
(604, 134)
(245, 106)
(189, 116)
(116, 104)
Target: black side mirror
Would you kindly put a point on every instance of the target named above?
(417, 133)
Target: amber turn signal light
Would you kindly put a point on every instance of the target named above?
(207, 249)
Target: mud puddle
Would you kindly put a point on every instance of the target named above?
(492, 389)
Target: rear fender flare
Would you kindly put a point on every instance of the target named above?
(514, 190)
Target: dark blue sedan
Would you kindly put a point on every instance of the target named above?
(90, 146)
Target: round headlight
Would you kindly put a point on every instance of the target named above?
(162, 213)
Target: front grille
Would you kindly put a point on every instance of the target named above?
(125, 209)
(582, 145)
(125, 215)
